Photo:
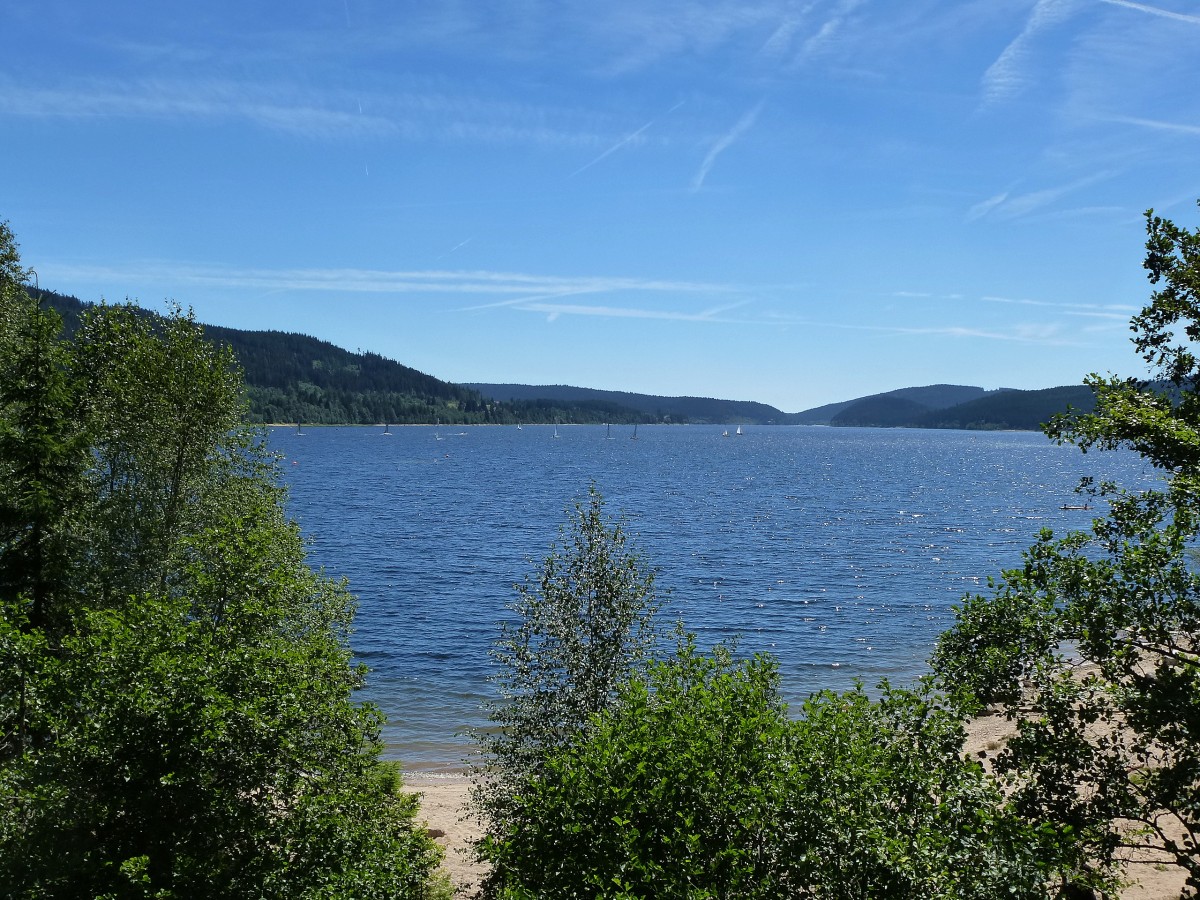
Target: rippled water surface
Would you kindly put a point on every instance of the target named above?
(841, 551)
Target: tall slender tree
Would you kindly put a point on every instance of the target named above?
(582, 627)
(43, 456)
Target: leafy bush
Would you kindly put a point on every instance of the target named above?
(697, 784)
(671, 792)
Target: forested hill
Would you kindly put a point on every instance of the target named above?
(694, 410)
(297, 378)
(1014, 410)
(1004, 409)
(891, 404)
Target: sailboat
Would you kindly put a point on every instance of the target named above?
(555, 431)
(739, 430)
(633, 437)
(608, 432)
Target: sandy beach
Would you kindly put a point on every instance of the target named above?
(444, 812)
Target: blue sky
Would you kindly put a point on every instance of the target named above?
(791, 201)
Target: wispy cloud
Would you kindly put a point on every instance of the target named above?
(776, 46)
(554, 310)
(625, 298)
(925, 295)
(634, 36)
(1155, 11)
(829, 29)
(981, 209)
(1177, 127)
(1114, 311)
(409, 112)
(1024, 333)
(1009, 75)
(1009, 206)
(724, 142)
(372, 281)
(201, 100)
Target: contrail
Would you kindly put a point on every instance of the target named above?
(745, 123)
(455, 247)
(1156, 11)
(611, 150)
(621, 143)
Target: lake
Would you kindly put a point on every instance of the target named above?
(839, 550)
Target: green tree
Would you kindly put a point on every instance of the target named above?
(166, 414)
(42, 460)
(1091, 646)
(12, 273)
(580, 630)
(178, 710)
(42, 455)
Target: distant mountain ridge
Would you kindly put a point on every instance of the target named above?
(930, 397)
(1012, 410)
(932, 406)
(694, 410)
(297, 378)
(940, 406)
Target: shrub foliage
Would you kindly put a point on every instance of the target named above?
(696, 783)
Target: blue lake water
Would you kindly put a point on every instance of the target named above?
(841, 551)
